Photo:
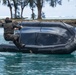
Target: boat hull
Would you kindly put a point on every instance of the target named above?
(45, 38)
(41, 50)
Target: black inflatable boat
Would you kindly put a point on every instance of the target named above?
(45, 37)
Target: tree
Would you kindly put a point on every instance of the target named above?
(53, 3)
(32, 3)
(32, 6)
(15, 4)
(39, 4)
(9, 4)
(22, 3)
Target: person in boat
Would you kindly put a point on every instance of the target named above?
(9, 35)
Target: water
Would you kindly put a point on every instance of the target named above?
(36, 64)
(1, 37)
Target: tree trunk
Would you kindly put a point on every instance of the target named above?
(21, 12)
(39, 12)
(39, 7)
(15, 16)
(11, 12)
(10, 7)
(15, 7)
(32, 13)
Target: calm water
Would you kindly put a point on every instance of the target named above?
(36, 64)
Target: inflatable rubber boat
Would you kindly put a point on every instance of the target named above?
(44, 37)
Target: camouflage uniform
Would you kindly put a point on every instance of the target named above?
(9, 33)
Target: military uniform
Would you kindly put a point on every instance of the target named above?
(9, 33)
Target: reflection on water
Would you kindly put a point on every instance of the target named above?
(37, 64)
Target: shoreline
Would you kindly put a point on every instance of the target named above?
(68, 21)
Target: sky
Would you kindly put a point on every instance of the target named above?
(66, 10)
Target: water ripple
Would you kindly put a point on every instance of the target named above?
(40, 64)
